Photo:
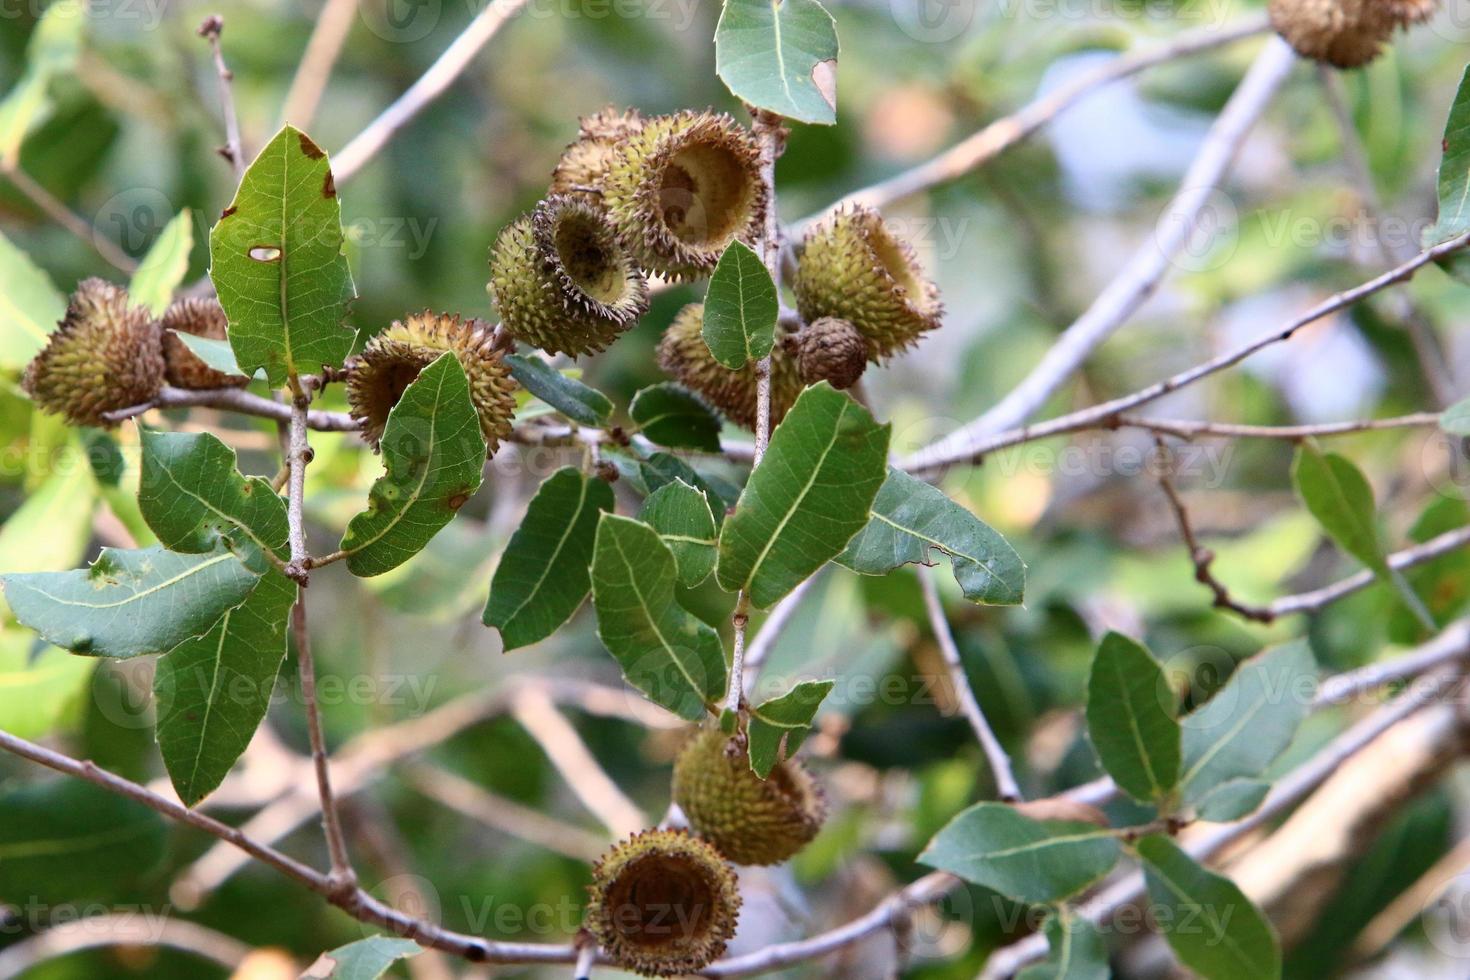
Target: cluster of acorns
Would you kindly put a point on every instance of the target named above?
(1345, 33)
(666, 902)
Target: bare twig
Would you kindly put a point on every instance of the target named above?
(1189, 429)
(441, 74)
(1148, 266)
(234, 149)
(1307, 602)
(64, 216)
(123, 929)
(504, 814)
(1000, 763)
(315, 68)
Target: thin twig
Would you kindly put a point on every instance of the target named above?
(234, 149)
(322, 50)
(121, 929)
(1307, 602)
(1229, 430)
(504, 814)
(64, 216)
(1000, 763)
(441, 74)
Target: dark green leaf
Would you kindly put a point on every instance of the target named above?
(578, 402)
(64, 840)
(910, 518)
(1028, 860)
(1233, 800)
(130, 603)
(740, 308)
(544, 574)
(276, 261)
(664, 651)
(681, 515)
(673, 416)
(661, 469)
(164, 267)
(1130, 718)
(810, 494)
(434, 456)
(1077, 950)
(1213, 927)
(781, 57)
(780, 725)
(366, 959)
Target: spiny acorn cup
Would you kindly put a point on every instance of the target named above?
(391, 361)
(749, 819)
(586, 161)
(561, 281)
(105, 355)
(1408, 12)
(684, 356)
(853, 268)
(1341, 33)
(662, 903)
(682, 189)
(830, 350)
(183, 368)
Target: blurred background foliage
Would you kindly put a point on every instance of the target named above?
(1019, 249)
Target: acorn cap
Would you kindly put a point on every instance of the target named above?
(852, 267)
(831, 350)
(182, 367)
(585, 161)
(1406, 12)
(390, 362)
(1342, 33)
(662, 903)
(682, 189)
(684, 355)
(561, 281)
(105, 355)
(749, 819)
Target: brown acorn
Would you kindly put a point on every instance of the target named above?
(183, 368)
(1406, 12)
(684, 356)
(1341, 33)
(391, 361)
(105, 355)
(663, 903)
(831, 350)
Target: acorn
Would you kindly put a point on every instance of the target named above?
(684, 355)
(749, 819)
(853, 268)
(586, 161)
(561, 281)
(663, 903)
(105, 355)
(1342, 33)
(831, 350)
(682, 189)
(378, 376)
(182, 367)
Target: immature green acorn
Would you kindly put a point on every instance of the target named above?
(183, 368)
(562, 282)
(853, 268)
(1342, 33)
(378, 376)
(105, 355)
(663, 903)
(831, 350)
(586, 161)
(684, 355)
(682, 189)
(749, 819)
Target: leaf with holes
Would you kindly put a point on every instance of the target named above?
(740, 308)
(681, 515)
(812, 491)
(780, 56)
(664, 650)
(30, 307)
(277, 264)
(674, 416)
(544, 574)
(578, 402)
(1130, 719)
(434, 456)
(164, 267)
(661, 469)
(780, 725)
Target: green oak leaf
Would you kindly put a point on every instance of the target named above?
(62, 839)
(165, 265)
(1076, 950)
(780, 725)
(37, 688)
(1214, 929)
(30, 307)
(911, 518)
(661, 469)
(217, 354)
(1038, 861)
(682, 517)
(1454, 182)
(812, 491)
(366, 959)
(131, 603)
(277, 264)
(578, 402)
(740, 308)
(671, 415)
(780, 56)
(544, 574)
(51, 53)
(1130, 719)
(1233, 800)
(434, 456)
(1456, 419)
(664, 650)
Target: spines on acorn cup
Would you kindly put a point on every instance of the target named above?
(662, 903)
(183, 368)
(684, 356)
(1341, 33)
(852, 267)
(682, 189)
(562, 282)
(390, 362)
(586, 161)
(105, 355)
